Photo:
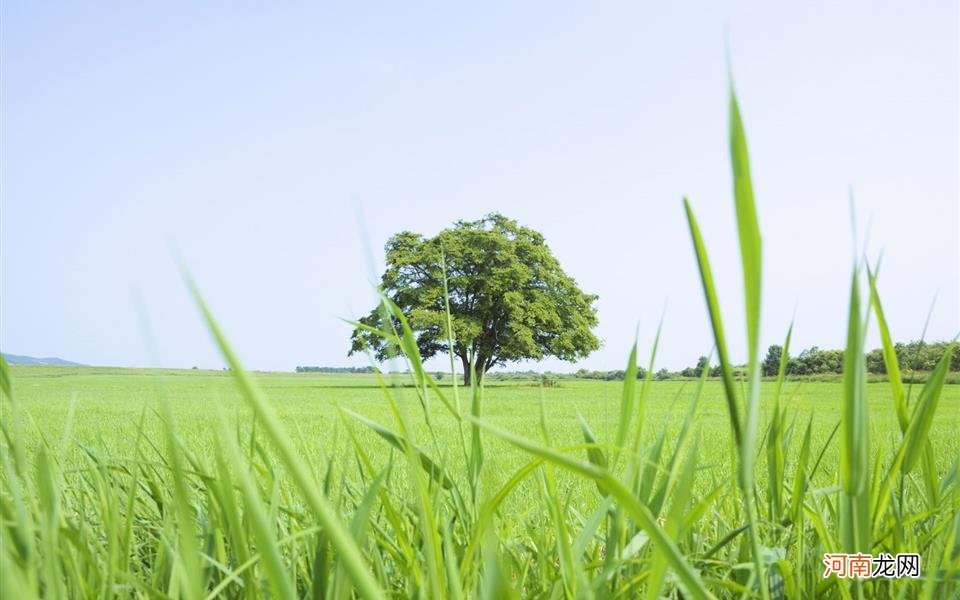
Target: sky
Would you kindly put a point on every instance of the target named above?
(273, 147)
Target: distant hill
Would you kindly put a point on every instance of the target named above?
(13, 359)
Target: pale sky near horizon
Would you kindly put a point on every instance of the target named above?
(249, 136)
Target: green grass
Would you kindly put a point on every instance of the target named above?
(110, 401)
(188, 484)
(107, 405)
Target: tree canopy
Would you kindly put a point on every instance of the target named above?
(509, 299)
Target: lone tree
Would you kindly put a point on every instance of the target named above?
(509, 298)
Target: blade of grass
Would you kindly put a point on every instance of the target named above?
(257, 515)
(340, 537)
(854, 442)
(637, 510)
(435, 471)
(716, 323)
(889, 354)
(751, 256)
(775, 449)
(628, 399)
(188, 550)
(14, 438)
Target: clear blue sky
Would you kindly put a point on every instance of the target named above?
(243, 134)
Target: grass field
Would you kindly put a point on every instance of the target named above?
(109, 403)
(116, 416)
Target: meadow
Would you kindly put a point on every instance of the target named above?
(190, 484)
(111, 420)
(107, 404)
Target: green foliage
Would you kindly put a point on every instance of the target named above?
(507, 296)
(308, 369)
(615, 375)
(771, 363)
(695, 371)
(548, 380)
(912, 356)
(814, 361)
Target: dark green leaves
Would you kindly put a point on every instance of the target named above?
(507, 295)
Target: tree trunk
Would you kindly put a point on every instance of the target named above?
(466, 369)
(481, 368)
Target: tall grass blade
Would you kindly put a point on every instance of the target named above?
(14, 438)
(259, 518)
(916, 436)
(745, 433)
(751, 255)
(628, 399)
(889, 353)
(716, 322)
(854, 441)
(775, 443)
(399, 442)
(340, 537)
(594, 453)
(637, 510)
(188, 552)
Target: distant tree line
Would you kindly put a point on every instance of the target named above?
(335, 370)
(528, 375)
(616, 375)
(912, 356)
